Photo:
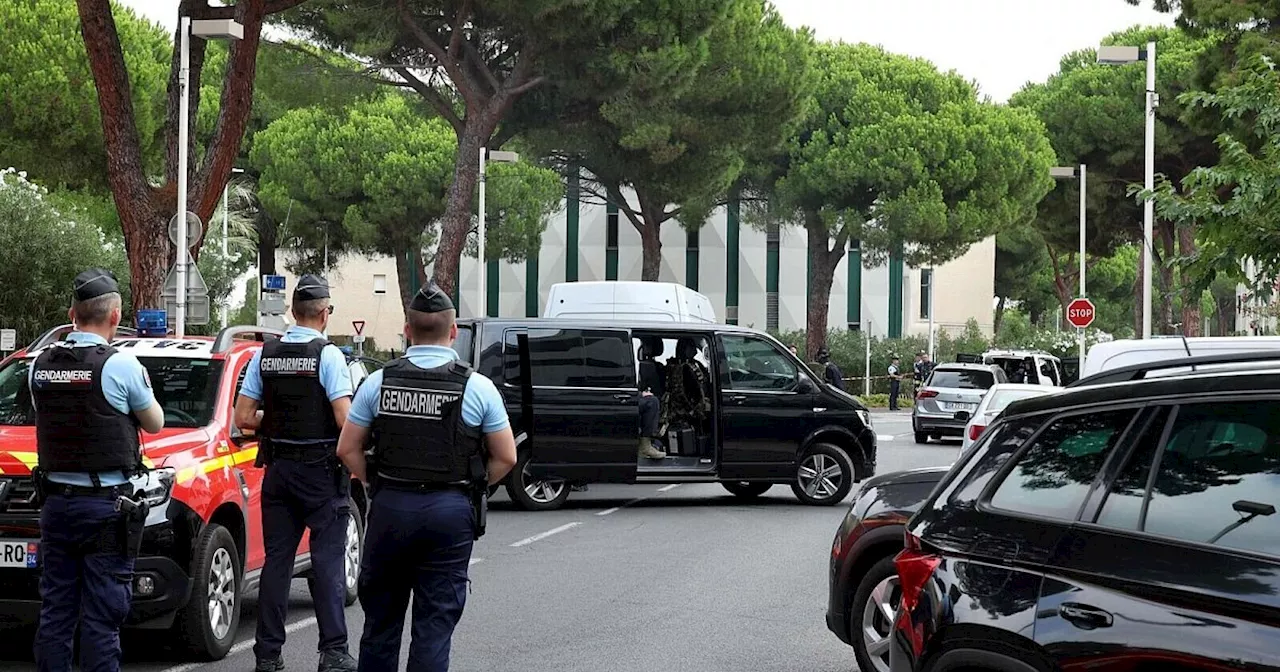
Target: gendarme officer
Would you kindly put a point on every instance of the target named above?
(89, 402)
(303, 385)
(434, 421)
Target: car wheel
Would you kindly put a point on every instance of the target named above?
(533, 494)
(871, 615)
(746, 489)
(921, 437)
(352, 547)
(208, 623)
(825, 475)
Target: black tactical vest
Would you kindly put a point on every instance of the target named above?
(295, 405)
(419, 435)
(77, 429)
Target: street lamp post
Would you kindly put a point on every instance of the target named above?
(225, 203)
(1114, 55)
(485, 157)
(206, 29)
(1066, 173)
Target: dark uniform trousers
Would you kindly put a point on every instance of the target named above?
(80, 584)
(296, 496)
(650, 412)
(418, 544)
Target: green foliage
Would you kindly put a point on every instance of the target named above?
(1020, 264)
(49, 119)
(246, 314)
(892, 152)
(41, 249)
(1235, 203)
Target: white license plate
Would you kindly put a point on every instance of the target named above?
(24, 554)
(958, 406)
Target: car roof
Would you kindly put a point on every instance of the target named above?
(963, 366)
(229, 340)
(656, 325)
(1152, 389)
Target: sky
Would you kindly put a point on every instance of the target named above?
(1000, 44)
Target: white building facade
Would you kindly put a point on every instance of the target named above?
(754, 278)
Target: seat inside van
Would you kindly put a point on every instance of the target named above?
(676, 368)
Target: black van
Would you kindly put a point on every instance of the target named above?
(759, 417)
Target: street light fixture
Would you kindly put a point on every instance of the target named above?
(485, 157)
(225, 203)
(1119, 55)
(1069, 173)
(209, 29)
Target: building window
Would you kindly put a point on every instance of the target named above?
(379, 283)
(926, 291)
(611, 228)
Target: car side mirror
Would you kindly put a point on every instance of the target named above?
(962, 416)
(807, 386)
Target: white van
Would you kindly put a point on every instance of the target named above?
(1047, 369)
(628, 301)
(1115, 354)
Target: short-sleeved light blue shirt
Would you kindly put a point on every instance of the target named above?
(127, 388)
(482, 406)
(335, 377)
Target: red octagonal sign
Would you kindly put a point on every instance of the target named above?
(1080, 313)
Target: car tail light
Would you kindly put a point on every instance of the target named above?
(914, 566)
(975, 431)
(926, 394)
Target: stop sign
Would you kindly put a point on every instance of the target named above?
(1080, 313)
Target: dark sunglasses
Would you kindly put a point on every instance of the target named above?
(331, 309)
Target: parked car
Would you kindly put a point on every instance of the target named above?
(1134, 351)
(1127, 525)
(951, 389)
(863, 588)
(744, 412)
(202, 549)
(993, 402)
(1046, 368)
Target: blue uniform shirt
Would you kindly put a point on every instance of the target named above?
(482, 406)
(335, 377)
(127, 388)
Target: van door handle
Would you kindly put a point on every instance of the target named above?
(737, 398)
(1084, 616)
(623, 396)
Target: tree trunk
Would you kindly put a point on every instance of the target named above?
(1163, 301)
(268, 231)
(1191, 315)
(652, 216)
(456, 222)
(822, 262)
(998, 317)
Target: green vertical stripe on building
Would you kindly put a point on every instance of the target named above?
(895, 293)
(854, 283)
(572, 197)
(731, 253)
(531, 286)
(491, 287)
(611, 250)
(771, 267)
(691, 259)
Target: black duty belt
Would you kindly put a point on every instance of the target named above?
(415, 486)
(106, 491)
(304, 452)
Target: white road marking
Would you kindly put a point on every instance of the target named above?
(608, 511)
(241, 647)
(474, 561)
(884, 437)
(543, 535)
(619, 508)
(667, 488)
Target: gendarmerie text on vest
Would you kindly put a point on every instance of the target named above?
(414, 402)
(291, 365)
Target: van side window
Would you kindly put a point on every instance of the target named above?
(573, 358)
(755, 364)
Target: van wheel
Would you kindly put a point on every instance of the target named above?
(825, 475)
(352, 548)
(746, 489)
(535, 495)
(208, 623)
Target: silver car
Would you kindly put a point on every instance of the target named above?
(994, 401)
(951, 389)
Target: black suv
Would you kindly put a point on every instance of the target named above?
(1127, 523)
(744, 411)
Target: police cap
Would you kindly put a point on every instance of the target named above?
(311, 287)
(94, 282)
(431, 299)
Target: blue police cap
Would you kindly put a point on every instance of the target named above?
(94, 282)
(431, 299)
(311, 287)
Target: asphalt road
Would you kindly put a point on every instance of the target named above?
(624, 578)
